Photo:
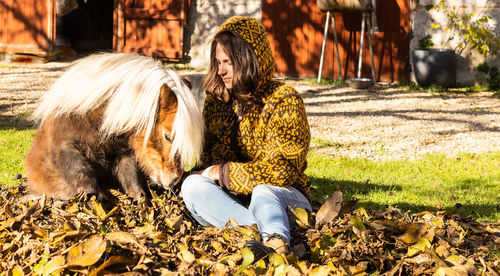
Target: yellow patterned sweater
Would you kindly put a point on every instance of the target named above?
(267, 145)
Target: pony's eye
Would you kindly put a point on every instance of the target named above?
(167, 137)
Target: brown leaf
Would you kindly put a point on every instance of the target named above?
(88, 253)
(111, 261)
(459, 270)
(125, 237)
(330, 209)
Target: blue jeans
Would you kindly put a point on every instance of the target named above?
(210, 205)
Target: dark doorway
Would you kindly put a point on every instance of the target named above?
(87, 27)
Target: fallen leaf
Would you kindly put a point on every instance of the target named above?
(422, 246)
(459, 270)
(248, 259)
(111, 261)
(330, 209)
(88, 253)
(301, 217)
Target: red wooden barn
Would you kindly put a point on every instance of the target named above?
(158, 28)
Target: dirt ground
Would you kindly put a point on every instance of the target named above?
(379, 123)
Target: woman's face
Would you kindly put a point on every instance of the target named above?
(225, 66)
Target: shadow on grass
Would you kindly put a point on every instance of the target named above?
(323, 187)
(16, 122)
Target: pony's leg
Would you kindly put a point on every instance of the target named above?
(78, 172)
(130, 177)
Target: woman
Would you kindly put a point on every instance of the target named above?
(256, 140)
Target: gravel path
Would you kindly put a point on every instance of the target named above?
(380, 123)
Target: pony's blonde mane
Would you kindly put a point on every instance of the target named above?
(128, 87)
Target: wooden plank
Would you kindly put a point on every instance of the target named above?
(150, 27)
(135, 13)
(28, 26)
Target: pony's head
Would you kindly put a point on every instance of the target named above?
(141, 99)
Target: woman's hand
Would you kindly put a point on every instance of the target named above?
(212, 172)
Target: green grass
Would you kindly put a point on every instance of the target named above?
(468, 185)
(14, 145)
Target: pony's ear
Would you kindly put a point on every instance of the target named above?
(168, 100)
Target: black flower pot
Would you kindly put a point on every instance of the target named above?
(434, 66)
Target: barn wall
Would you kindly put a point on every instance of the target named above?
(296, 30)
(27, 26)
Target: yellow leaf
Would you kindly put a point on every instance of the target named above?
(280, 270)
(323, 270)
(98, 210)
(491, 230)
(112, 212)
(409, 237)
(456, 259)
(248, 259)
(38, 268)
(17, 271)
(187, 256)
(276, 259)
(362, 212)
(422, 246)
(72, 208)
(358, 223)
(359, 268)
(217, 245)
(437, 222)
(411, 234)
(54, 266)
(174, 223)
(88, 253)
(301, 217)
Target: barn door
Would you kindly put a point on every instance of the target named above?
(151, 27)
(27, 26)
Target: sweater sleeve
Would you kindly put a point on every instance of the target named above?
(218, 122)
(284, 154)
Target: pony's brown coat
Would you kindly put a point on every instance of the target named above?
(68, 155)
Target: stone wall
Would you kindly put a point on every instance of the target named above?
(467, 60)
(204, 19)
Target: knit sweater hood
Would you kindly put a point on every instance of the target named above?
(254, 33)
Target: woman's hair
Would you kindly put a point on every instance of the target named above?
(245, 70)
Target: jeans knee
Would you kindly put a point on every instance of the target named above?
(192, 186)
(263, 191)
(263, 194)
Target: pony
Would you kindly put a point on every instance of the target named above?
(113, 121)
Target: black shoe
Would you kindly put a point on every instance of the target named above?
(258, 249)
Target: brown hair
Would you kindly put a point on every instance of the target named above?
(245, 70)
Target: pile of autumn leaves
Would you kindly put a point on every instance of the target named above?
(83, 236)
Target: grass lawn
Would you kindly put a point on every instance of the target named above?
(468, 184)
(14, 144)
